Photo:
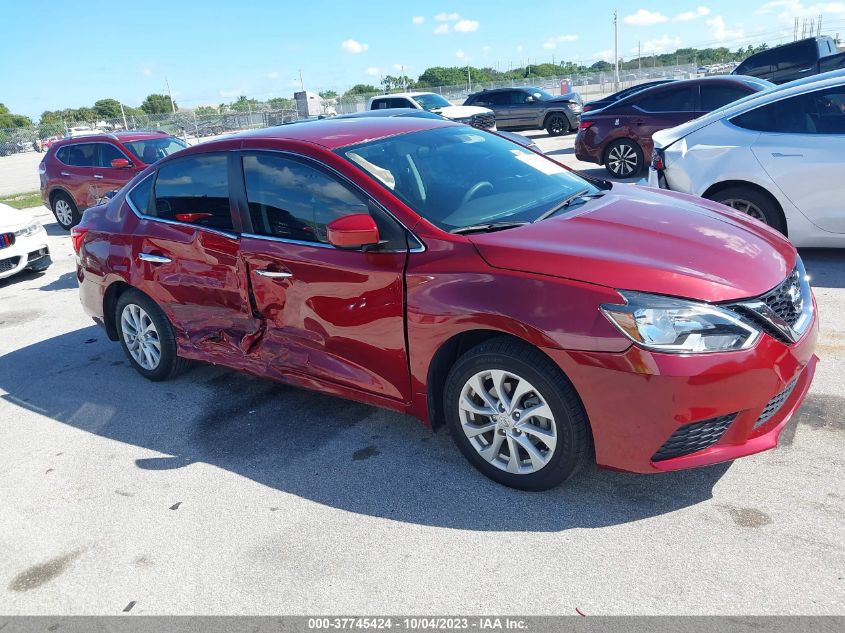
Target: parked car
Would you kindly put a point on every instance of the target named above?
(23, 243)
(525, 141)
(433, 102)
(619, 135)
(530, 109)
(598, 104)
(795, 60)
(776, 156)
(76, 173)
(442, 271)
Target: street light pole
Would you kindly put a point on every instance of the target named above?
(615, 51)
(170, 93)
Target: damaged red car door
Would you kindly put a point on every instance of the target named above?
(333, 314)
(189, 257)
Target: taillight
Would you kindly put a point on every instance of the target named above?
(77, 236)
(42, 168)
(587, 107)
(657, 162)
(583, 125)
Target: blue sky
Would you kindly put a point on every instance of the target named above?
(59, 54)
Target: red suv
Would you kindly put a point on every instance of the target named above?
(76, 173)
(445, 272)
(618, 136)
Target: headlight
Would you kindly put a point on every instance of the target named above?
(30, 229)
(676, 326)
(463, 119)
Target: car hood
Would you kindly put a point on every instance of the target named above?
(12, 219)
(461, 111)
(637, 238)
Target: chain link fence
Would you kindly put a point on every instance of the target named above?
(188, 125)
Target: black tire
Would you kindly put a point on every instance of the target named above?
(169, 364)
(62, 205)
(623, 158)
(753, 202)
(573, 446)
(557, 124)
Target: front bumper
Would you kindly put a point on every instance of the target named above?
(31, 252)
(637, 400)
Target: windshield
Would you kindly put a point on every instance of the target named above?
(152, 149)
(540, 94)
(457, 177)
(431, 101)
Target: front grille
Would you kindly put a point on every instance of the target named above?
(486, 121)
(6, 239)
(694, 437)
(774, 405)
(786, 300)
(9, 264)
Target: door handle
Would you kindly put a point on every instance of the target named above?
(154, 259)
(98, 176)
(779, 155)
(274, 274)
(64, 173)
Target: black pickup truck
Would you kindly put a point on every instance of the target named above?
(795, 60)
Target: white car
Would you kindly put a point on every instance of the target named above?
(433, 102)
(776, 155)
(23, 243)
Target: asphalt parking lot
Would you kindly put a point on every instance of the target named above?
(219, 493)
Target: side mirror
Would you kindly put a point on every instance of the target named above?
(121, 163)
(353, 231)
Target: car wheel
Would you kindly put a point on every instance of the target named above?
(557, 124)
(65, 210)
(624, 158)
(147, 337)
(758, 205)
(515, 416)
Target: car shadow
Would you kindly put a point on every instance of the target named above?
(24, 275)
(65, 281)
(335, 452)
(824, 266)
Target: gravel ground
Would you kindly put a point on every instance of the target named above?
(218, 493)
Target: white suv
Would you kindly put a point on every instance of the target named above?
(433, 102)
(776, 155)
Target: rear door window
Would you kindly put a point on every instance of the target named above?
(79, 155)
(140, 196)
(820, 112)
(195, 190)
(681, 99)
(716, 96)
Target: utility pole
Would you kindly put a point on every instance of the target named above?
(615, 52)
(639, 57)
(301, 83)
(795, 33)
(819, 26)
(123, 112)
(469, 79)
(172, 103)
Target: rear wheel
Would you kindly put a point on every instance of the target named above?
(147, 337)
(65, 210)
(758, 205)
(515, 417)
(557, 124)
(624, 158)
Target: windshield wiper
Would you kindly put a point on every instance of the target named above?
(563, 204)
(486, 228)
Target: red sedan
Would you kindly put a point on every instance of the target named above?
(448, 273)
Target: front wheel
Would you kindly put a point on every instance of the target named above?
(557, 124)
(146, 337)
(515, 417)
(624, 158)
(65, 210)
(758, 205)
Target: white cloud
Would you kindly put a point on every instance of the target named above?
(606, 54)
(519, 48)
(466, 26)
(418, 19)
(273, 74)
(552, 42)
(373, 71)
(354, 46)
(686, 16)
(643, 17)
(789, 9)
(720, 31)
(662, 44)
(447, 17)
(442, 29)
(146, 71)
(462, 56)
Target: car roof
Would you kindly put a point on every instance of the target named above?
(792, 88)
(99, 137)
(333, 133)
(402, 94)
(679, 83)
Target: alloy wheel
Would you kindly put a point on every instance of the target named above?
(141, 337)
(64, 214)
(622, 159)
(746, 206)
(507, 421)
(556, 125)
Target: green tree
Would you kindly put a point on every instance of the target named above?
(7, 119)
(242, 104)
(360, 89)
(328, 94)
(281, 103)
(158, 104)
(107, 109)
(206, 111)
